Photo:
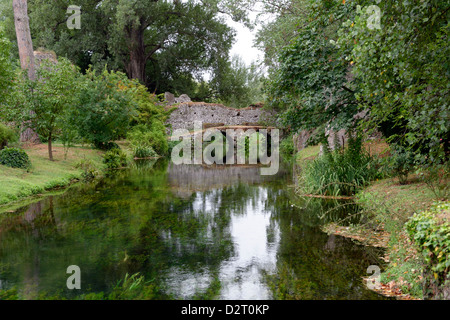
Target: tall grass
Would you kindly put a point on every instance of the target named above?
(340, 172)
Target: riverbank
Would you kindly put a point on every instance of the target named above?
(387, 206)
(45, 176)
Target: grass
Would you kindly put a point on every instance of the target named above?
(386, 206)
(338, 173)
(308, 153)
(44, 175)
(389, 206)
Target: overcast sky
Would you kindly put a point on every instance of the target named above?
(244, 43)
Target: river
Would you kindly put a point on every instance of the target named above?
(222, 232)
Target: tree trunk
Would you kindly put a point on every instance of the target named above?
(26, 55)
(50, 151)
(136, 65)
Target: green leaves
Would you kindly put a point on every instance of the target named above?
(404, 71)
(15, 158)
(6, 70)
(105, 108)
(312, 85)
(432, 239)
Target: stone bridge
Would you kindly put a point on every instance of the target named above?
(211, 115)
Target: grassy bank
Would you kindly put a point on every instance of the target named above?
(386, 208)
(45, 175)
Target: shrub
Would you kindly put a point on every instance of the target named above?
(89, 170)
(6, 135)
(142, 151)
(436, 177)
(432, 239)
(150, 136)
(402, 162)
(171, 145)
(15, 158)
(115, 158)
(287, 147)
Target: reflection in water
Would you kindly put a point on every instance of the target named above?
(185, 228)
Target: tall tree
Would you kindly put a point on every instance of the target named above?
(26, 54)
(155, 41)
(24, 42)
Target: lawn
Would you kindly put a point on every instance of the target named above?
(44, 175)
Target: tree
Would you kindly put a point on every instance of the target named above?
(24, 41)
(236, 84)
(104, 109)
(403, 70)
(48, 99)
(157, 42)
(313, 86)
(26, 53)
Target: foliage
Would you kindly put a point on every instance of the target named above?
(340, 172)
(150, 136)
(436, 178)
(287, 147)
(115, 159)
(48, 99)
(433, 242)
(403, 66)
(6, 70)
(148, 108)
(144, 151)
(172, 42)
(6, 135)
(237, 85)
(105, 109)
(15, 158)
(312, 86)
(402, 162)
(90, 171)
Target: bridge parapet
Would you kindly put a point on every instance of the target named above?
(215, 115)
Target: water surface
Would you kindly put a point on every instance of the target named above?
(186, 229)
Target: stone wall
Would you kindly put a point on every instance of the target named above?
(185, 114)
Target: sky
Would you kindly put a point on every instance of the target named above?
(244, 43)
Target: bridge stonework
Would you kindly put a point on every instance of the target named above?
(214, 115)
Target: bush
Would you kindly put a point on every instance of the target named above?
(153, 136)
(141, 152)
(402, 162)
(6, 135)
(287, 147)
(15, 158)
(115, 158)
(432, 239)
(89, 170)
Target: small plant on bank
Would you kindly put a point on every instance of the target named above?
(402, 163)
(143, 151)
(287, 147)
(15, 158)
(432, 239)
(89, 171)
(436, 177)
(115, 159)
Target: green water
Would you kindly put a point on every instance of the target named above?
(186, 229)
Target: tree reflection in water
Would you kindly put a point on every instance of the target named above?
(194, 231)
